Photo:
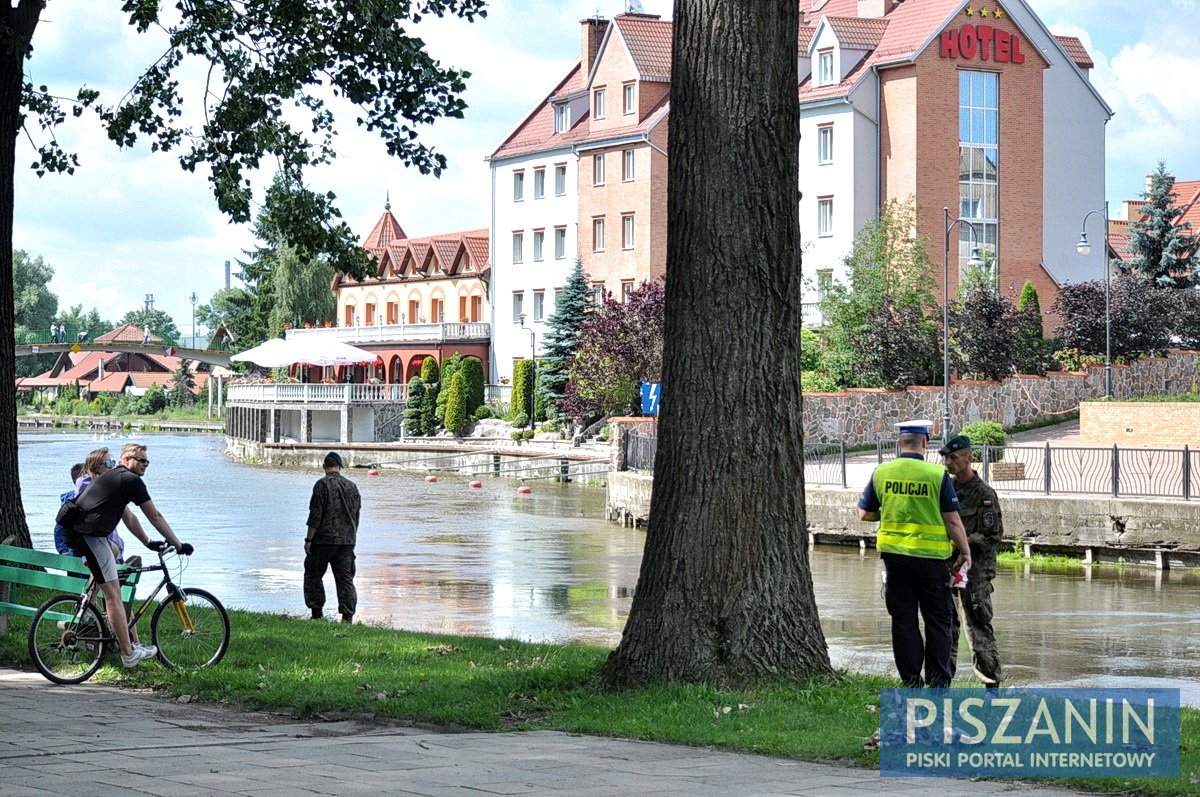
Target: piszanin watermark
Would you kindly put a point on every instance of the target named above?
(1029, 733)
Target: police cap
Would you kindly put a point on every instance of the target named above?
(914, 427)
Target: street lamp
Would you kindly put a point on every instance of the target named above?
(193, 298)
(975, 262)
(533, 361)
(1083, 248)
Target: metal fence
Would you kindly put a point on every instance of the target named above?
(639, 450)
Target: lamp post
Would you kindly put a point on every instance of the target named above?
(1083, 248)
(533, 362)
(974, 261)
(193, 298)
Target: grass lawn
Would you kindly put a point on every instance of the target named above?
(328, 670)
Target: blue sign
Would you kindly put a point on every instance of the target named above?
(1029, 733)
(651, 398)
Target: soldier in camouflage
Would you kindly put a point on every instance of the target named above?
(332, 533)
(980, 512)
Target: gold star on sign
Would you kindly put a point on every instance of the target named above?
(970, 11)
(998, 13)
(983, 12)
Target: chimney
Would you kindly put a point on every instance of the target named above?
(593, 33)
(873, 9)
(1150, 181)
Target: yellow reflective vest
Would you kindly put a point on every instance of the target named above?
(910, 513)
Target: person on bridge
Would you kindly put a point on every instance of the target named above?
(919, 530)
(53, 332)
(332, 534)
(104, 504)
(980, 511)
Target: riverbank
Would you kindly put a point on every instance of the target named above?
(332, 671)
(27, 423)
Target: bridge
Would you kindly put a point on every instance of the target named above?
(210, 356)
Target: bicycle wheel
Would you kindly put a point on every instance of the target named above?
(192, 633)
(66, 639)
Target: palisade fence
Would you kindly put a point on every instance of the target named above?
(1050, 470)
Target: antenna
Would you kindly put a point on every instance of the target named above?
(387, 201)
(634, 7)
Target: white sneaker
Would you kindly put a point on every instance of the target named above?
(150, 649)
(138, 655)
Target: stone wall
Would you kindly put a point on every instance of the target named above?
(1149, 424)
(860, 415)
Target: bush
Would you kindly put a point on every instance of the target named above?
(414, 421)
(456, 403)
(817, 382)
(520, 419)
(482, 412)
(450, 367)
(810, 350)
(516, 434)
(527, 434)
(522, 389)
(986, 433)
(104, 403)
(472, 368)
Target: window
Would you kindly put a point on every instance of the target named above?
(518, 247)
(439, 311)
(825, 67)
(979, 167)
(627, 165)
(598, 234)
(627, 231)
(414, 311)
(539, 183)
(597, 293)
(518, 306)
(462, 309)
(562, 118)
(825, 144)
(825, 216)
(598, 169)
(598, 103)
(628, 101)
(518, 186)
(393, 312)
(476, 308)
(539, 305)
(370, 309)
(560, 243)
(824, 281)
(539, 238)
(626, 291)
(560, 179)
(349, 322)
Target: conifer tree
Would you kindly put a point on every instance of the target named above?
(456, 403)
(522, 390)
(449, 367)
(182, 384)
(472, 369)
(414, 423)
(1029, 355)
(560, 343)
(1163, 250)
(431, 376)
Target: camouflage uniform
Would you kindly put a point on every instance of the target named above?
(333, 514)
(980, 512)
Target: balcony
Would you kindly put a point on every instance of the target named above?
(396, 333)
(336, 395)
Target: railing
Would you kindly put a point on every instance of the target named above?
(396, 333)
(811, 315)
(275, 392)
(640, 449)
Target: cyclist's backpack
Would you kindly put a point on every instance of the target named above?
(69, 515)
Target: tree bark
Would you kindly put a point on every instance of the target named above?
(725, 590)
(16, 31)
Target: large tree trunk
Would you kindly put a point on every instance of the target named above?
(16, 31)
(725, 592)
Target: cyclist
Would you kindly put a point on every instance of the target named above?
(103, 504)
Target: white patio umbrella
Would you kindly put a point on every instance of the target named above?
(334, 352)
(273, 353)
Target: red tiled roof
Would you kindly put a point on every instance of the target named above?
(111, 383)
(536, 131)
(859, 34)
(477, 248)
(145, 379)
(126, 333)
(386, 230)
(1076, 51)
(804, 38)
(1187, 196)
(649, 41)
(446, 250)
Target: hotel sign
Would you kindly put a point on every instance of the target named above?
(982, 42)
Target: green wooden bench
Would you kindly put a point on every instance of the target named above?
(27, 567)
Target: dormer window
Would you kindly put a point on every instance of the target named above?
(825, 67)
(562, 118)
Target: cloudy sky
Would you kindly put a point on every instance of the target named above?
(131, 222)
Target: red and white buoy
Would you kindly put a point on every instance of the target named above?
(475, 484)
(524, 489)
(373, 472)
(431, 478)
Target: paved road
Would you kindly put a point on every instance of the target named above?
(98, 740)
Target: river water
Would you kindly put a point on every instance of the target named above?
(446, 558)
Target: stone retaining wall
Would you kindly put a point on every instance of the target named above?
(860, 415)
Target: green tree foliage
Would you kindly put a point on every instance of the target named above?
(983, 332)
(522, 389)
(76, 320)
(986, 433)
(1164, 251)
(1143, 314)
(159, 322)
(476, 384)
(34, 308)
(810, 350)
(238, 310)
(270, 68)
(559, 344)
(301, 284)
(1030, 354)
(152, 401)
(182, 385)
(456, 403)
(414, 415)
(431, 376)
(886, 305)
(540, 407)
(450, 367)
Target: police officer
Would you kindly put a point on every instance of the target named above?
(919, 530)
(980, 512)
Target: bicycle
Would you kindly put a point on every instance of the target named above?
(69, 636)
